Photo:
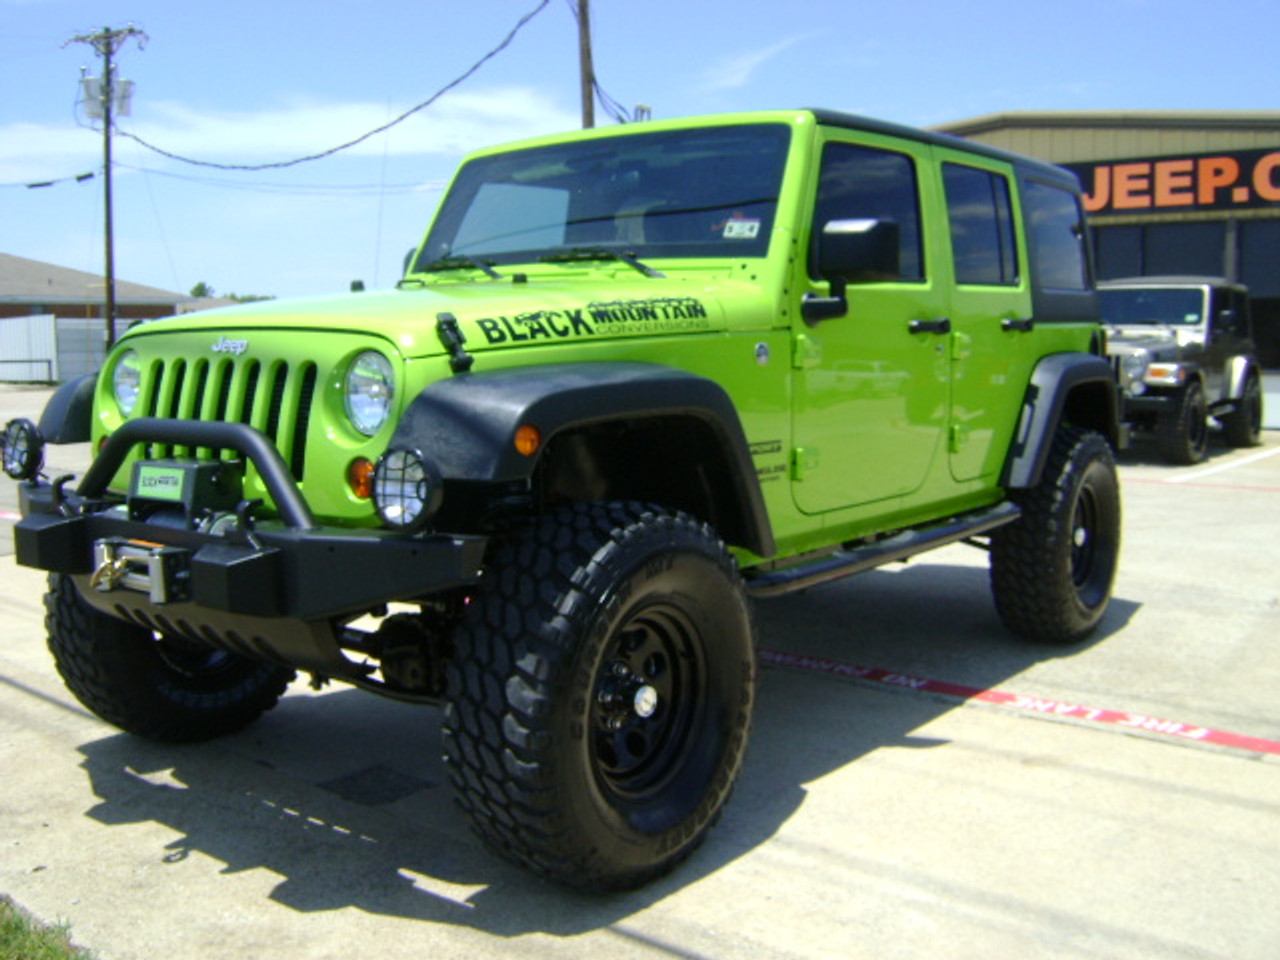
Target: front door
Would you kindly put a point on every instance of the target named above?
(871, 386)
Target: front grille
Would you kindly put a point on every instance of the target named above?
(272, 396)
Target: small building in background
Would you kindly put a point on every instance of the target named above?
(51, 318)
(1168, 192)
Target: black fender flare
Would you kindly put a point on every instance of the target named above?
(1079, 387)
(466, 424)
(68, 415)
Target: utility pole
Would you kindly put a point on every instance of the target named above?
(107, 43)
(586, 68)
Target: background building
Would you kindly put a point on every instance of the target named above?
(51, 317)
(1168, 192)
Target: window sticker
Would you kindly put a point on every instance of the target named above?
(741, 228)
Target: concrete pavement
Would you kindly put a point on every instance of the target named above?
(876, 817)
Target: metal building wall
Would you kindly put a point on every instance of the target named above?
(1081, 137)
(28, 350)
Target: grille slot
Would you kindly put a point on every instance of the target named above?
(274, 397)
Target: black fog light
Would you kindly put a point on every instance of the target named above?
(22, 448)
(406, 489)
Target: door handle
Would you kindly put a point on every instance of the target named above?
(1020, 326)
(930, 326)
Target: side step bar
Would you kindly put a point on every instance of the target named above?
(846, 562)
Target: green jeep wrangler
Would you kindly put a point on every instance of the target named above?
(631, 379)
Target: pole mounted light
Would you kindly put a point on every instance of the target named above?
(112, 99)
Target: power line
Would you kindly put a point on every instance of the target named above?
(300, 189)
(361, 139)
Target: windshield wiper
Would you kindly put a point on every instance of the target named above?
(578, 254)
(458, 262)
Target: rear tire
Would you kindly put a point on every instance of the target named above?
(154, 686)
(1052, 570)
(600, 693)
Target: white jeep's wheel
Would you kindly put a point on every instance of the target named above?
(1243, 425)
(1052, 570)
(600, 693)
(1183, 433)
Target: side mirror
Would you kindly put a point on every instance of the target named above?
(852, 251)
(859, 251)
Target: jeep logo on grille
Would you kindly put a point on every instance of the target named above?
(227, 345)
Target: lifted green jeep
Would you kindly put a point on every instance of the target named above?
(630, 379)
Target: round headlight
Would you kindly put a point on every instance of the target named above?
(126, 381)
(406, 489)
(369, 389)
(1134, 365)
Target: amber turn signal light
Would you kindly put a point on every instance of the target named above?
(360, 477)
(528, 439)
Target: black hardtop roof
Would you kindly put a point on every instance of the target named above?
(1039, 168)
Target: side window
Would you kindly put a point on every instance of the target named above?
(1055, 227)
(865, 183)
(1232, 313)
(981, 217)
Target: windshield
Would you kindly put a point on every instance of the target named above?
(1125, 308)
(710, 192)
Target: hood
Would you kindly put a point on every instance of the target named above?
(1144, 337)
(502, 314)
(1161, 341)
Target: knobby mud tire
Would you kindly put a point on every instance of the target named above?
(154, 687)
(1052, 570)
(600, 694)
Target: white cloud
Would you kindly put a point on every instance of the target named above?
(736, 70)
(457, 123)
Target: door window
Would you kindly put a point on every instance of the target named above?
(865, 183)
(982, 240)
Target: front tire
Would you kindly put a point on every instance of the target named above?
(151, 685)
(1052, 570)
(600, 693)
(1184, 432)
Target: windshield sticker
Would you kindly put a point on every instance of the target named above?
(741, 229)
(656, 315)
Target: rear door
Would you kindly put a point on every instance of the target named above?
(991, 317)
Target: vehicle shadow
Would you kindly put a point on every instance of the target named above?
(1144, 450)
(344, 796)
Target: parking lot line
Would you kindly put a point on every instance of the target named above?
(1222, 468)
(1123, 721)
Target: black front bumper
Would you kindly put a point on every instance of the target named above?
(280, 590)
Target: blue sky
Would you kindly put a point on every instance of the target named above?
(246, 83)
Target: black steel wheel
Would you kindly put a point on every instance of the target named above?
(600, 694)
(154, 686)
(1052, 570)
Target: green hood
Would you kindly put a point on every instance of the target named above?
(502, 314)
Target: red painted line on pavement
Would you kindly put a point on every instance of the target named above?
(1018, 701)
